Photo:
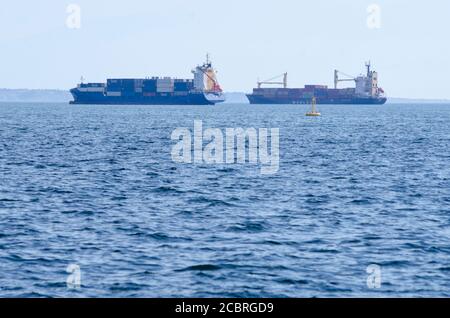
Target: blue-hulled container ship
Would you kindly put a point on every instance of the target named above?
(366, 91)
(203, 89)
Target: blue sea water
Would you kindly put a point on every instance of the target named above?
(95, 186)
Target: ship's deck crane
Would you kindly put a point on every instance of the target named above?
(337, 80)
(271, 81)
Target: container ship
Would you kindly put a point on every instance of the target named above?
(203, 89)
(366, 91)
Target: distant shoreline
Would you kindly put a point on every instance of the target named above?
(35, 95)
(64, 96)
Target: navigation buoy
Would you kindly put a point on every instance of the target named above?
(314, 112)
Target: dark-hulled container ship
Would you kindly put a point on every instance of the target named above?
(366, 92)
(203, 89)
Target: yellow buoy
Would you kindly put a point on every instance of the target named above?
(314, 112)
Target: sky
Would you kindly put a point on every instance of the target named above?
(406, 41)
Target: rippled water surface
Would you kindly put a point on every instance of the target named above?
(95, 186)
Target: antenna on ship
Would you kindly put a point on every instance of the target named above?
(368, 65)
(82, 79)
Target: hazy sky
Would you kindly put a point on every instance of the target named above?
(246, 38)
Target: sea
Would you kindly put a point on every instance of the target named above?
(92, 203)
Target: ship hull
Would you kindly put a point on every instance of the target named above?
(255, 99)
(98, 98)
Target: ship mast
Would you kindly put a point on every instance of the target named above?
(368, 65)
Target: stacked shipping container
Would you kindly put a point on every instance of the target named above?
(148, 87)
(165, 85)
